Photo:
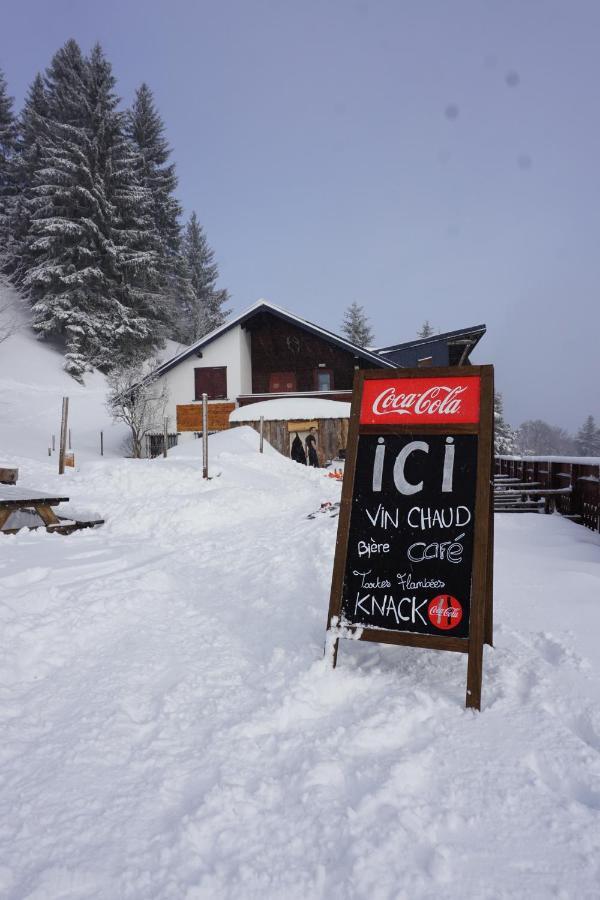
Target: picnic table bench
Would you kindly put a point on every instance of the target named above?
(17, 499)
(527, 497)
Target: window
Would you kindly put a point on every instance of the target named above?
(282, 382)
(323, 379)
(212, 381)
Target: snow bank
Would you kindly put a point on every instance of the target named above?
(171, 730)
(291, 408)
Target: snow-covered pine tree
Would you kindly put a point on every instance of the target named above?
(203, 309)
(146, 131)
(426, 330)
(134, 320)
(7, 149)
(587, 439)
(504, 435)
(31, 126)
(356, 326)
(67, 218)
(93, 271)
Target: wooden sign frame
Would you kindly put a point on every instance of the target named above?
(481, 606)
(189, 416)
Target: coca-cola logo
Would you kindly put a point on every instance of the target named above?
(441, 400)
(445, 612)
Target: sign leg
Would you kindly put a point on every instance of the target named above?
(331, 648)
(488, 633)
(489, 591)
(474, 672)
(336, 644)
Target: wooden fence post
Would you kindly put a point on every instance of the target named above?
(63, 436)
(165, 435)
(101, 443)
(598, 498)
(205, 435)
(262, 429)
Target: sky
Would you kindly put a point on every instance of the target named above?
(428, 160)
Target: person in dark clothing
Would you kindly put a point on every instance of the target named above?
(297, 452)
(311, 449)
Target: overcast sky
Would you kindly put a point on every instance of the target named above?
(433, 160)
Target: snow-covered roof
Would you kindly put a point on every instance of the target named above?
(291, 408)
(475, 333)
(575, 460)
(265, 305)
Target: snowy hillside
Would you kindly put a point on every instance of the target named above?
(170, 728)
(32, 385)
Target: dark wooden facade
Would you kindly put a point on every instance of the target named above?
(278, 346)
(332, 436)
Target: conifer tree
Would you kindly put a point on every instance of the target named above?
(26, 160)
(7, 149)
(93, 271)
(137, 308)
(504, 435)
(63, 238)
(588, 438)
(202, 309)
(145, 129)
(356, 326)
(426, 330)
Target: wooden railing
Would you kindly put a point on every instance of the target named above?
(581, 473)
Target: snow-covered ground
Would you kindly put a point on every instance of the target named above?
(170, 728)
(32, 385)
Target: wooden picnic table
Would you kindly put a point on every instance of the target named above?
(13, 499)
(19, 499)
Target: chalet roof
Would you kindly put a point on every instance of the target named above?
(466, 336)
(262, 306)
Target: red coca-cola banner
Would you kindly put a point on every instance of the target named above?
(428, 401)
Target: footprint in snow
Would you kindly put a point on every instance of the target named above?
(586, 726)
(554, 651)
(27, 576)
(562, 783)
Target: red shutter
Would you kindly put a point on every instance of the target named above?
(212, 381)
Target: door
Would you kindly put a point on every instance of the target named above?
(282, 382)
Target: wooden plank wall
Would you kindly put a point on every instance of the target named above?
(584, 499)
(332, 436)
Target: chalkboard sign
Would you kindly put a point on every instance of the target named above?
(413, 556)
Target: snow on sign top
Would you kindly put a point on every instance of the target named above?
(429, 401)
(285, 408)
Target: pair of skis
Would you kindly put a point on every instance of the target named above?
(327, 508)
